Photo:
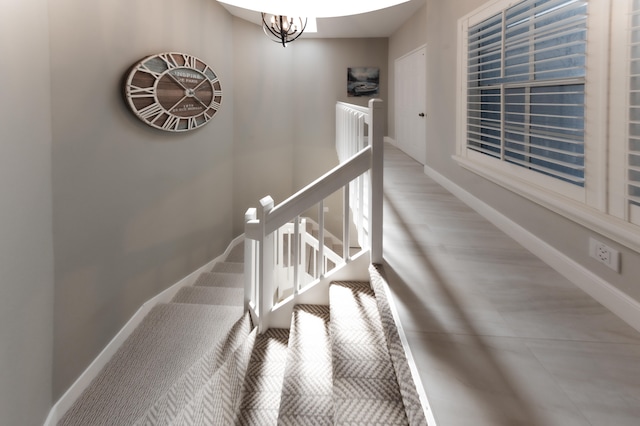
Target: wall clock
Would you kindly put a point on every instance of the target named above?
(172, 91)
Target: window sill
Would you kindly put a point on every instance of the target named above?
(611, 227)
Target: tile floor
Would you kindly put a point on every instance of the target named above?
(499, 337)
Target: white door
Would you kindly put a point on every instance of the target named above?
(411, 99)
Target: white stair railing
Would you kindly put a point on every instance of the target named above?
(276, 240)
(350, 129)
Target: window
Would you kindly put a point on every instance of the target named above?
(549, 106)
(633, 149)
(525, 94)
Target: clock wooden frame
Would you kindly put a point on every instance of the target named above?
(174, 92)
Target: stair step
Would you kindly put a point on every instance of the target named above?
(263, 381)
(236, 254)
(218, 401)
(356, 327)
(410, 397)
(170, 339)
(308, 386)
(220, 279)
(185, 390)
(210, 296)
(233, 267)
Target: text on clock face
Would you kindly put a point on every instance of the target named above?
(188, 76)
(188, 107)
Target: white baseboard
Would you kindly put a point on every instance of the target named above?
(392, 141)
(66, 401)
(621, 304)
(413, 367)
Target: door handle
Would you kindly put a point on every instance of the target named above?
(421, 114)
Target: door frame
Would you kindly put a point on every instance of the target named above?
(396, 93)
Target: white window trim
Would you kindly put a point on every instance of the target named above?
(619, 112)
(591, 207)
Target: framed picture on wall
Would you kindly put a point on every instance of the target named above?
(363, 81)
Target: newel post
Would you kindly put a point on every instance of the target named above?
(266, 265)
(376, 138)
(250, 237)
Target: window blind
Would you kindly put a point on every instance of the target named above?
(525, 94)
(633, 152)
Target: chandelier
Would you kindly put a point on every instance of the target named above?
(283, 29)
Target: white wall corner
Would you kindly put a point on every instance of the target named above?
(621, 304)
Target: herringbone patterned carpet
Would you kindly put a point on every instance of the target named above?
(199, 361)
(263, 382)
(308, 384)
(366, 390)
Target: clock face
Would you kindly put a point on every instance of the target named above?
(175, 92)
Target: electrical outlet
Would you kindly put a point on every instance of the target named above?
(604, 254)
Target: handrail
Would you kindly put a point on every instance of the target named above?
(350, 129)
(360, 173)
(318, 190)
(356, 108)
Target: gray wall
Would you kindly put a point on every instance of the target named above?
(135, 209)
(263, 120)
(441, 38)
(320, 81)
(26, 250)
(285, 112)
(409, 37)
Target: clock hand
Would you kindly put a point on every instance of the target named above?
(177, 81)
(194, 93)
(198, 99)
(191, 92)
(177, 103)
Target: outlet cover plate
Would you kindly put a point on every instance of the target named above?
(604, 254)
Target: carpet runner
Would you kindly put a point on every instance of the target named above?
(262, 391)
(365, 387)
(199, 361)
(307, 389)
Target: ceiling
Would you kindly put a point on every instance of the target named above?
(381, 23)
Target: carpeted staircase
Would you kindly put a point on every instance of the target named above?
(198, 360)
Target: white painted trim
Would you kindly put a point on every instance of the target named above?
(621, 304)
(390, 140)
(609, 226)
(317, 292)
(73, 393)
(424, 46)
(413, 367)
(619, 103)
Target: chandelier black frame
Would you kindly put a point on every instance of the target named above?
(283, 29)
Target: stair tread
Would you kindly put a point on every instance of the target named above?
(236, 254)
(220, 279)
(210, 296)
(370, 411)
(196, 378)
(410, 397)
(206, 392)
(262, 387)
(218, 401)
(307, 390)
(232, 267)
(356, 327)
(170, 339)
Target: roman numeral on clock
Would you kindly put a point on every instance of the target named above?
(190, 61)
(140, 92)
(172, 123)
(151, 112)
(172, 91)
(170, 60)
